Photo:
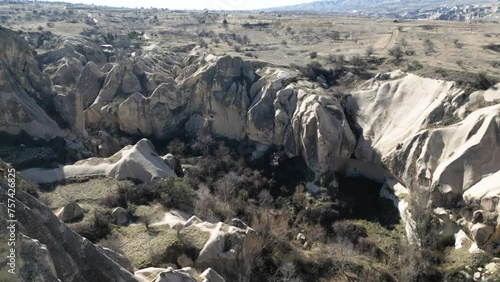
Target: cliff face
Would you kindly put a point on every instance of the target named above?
(24, 90)
(406, 128)
(229, 98)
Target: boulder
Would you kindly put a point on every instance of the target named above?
(130, 83)
(120, 216)
(184, 261)
(236, 222)
(174, 276)
(301, 238)
(150, 273)
(492, 267)
(70, 212)
(35, 256)
(153, 274)
(211, 275)
(480, 233)
(226, 247)
(173, 164)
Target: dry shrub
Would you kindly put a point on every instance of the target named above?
(113, 200)
(344, 229)
(97, 228)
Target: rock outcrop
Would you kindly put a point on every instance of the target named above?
(49, 249)
(225, 248)
(139, 162)
(416, 127)
(25, 96)
(158, 95)
(229, 98)
(154, 274)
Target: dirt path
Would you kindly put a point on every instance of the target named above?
(392, 40)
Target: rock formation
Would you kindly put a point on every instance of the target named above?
(70, 212)
(139, 162)
(24, 91)
(220, 246)
(405, 127)
(50, 250)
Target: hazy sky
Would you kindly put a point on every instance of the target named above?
(194, 4)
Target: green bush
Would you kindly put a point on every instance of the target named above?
(173, 192)
(136, 194)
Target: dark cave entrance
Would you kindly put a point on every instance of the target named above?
(360, 199)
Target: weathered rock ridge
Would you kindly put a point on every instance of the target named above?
(159, 96)
(137, 162)
(23, 88)
(406, 129)
(229, 98)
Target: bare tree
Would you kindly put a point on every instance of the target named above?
(421, 219)
(418, 258)
(341, 251)
(204, 143)
(226, 187)
(265, 198)
(287, 272)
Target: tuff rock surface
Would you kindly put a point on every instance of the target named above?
(50, 250)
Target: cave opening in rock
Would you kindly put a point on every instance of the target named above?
(360, 199)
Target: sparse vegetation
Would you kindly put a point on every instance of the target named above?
(493, 47)
(369, 51)
(396, 52)
(429, 47)
(97, 227)
(174, 193)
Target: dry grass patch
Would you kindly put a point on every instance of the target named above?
(86, 192)
(148, 247)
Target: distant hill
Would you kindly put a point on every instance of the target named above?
(373, 6)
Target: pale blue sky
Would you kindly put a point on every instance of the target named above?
(194, 4)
